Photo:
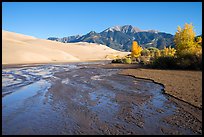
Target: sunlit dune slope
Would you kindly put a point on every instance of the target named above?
(22, 49)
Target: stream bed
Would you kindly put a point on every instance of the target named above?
(85, 98)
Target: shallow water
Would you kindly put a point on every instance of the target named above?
(83, 99)
(14, 78)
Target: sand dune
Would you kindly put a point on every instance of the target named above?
(22, 49)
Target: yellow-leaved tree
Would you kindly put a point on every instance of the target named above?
(136, 50)
(185, 41)
(199, 40)
(168, 51)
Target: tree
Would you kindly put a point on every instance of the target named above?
(157, 54)
(153, 51)
(168, 51)
(185, 40)
(145, 52)
(136, 50)
(199, 41)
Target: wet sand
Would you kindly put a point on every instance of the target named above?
(92, 99)
(184, 85)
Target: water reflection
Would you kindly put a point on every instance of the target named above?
(82, 99)
(14, 78)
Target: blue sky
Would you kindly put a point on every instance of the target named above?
(60, 19)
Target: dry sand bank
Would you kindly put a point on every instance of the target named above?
(22, 49)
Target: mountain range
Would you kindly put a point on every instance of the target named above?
(121, 37)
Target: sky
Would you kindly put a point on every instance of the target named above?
(61, 19)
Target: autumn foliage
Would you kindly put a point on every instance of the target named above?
(187, 53)
(168, 51)
(185, 41)
(136, 50)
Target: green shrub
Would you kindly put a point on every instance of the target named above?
(164, 63)
(117, 61)
(145, 52)
(144, 60)
(152, 49)
(127, 60)
(190, 61)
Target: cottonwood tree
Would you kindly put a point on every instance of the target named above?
(168, 51)
(136, 50)
(185, 41)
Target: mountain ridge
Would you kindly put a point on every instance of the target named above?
(121, 37)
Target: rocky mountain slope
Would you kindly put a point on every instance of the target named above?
(121, 37)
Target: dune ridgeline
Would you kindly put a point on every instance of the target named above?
(22, 49)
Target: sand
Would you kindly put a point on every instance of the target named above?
(183, 85)
(22, 49)
(88, 99)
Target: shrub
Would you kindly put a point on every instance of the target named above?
(144, 60)
(117, 61)
(164, 62)
(127, 60)
(190, 61)
(145, 52)
(152, 49)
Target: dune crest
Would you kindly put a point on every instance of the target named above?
(22, 49)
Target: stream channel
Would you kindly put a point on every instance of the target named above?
(84, 98)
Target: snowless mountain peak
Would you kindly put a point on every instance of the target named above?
(92, 32)
(115, 28)
(124, 29)
(120, 37)
(130, 28)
